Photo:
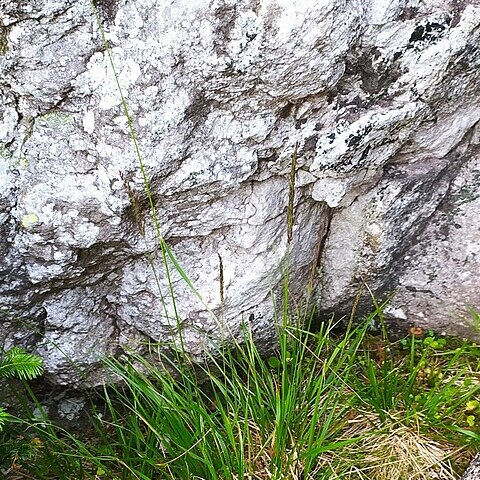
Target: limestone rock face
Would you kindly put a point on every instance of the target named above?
(379, 102)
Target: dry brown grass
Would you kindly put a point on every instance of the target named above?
(399, 453)
(259, 455)
(384, 451)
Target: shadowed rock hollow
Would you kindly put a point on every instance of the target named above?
(380, 97)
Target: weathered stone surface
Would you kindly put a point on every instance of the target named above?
(381, 99)
(473, 471)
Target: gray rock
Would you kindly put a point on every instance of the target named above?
(381, 99)
(473, 471)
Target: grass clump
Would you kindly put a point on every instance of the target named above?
(322, 407)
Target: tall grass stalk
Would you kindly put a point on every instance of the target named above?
(167, 254)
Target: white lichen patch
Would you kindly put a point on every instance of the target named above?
(100, 78)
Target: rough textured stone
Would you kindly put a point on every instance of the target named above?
(473, 471)
(380, 98)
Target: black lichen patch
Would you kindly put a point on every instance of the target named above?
(300, 122)
(427, 33)
(107, 9)
(354, 140)
(365, 152)
(331, 137)
(396, 56)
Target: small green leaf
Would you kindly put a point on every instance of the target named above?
(472, 405)
(274, 362)
(20, 364)
(4, 417)
(471, 420)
